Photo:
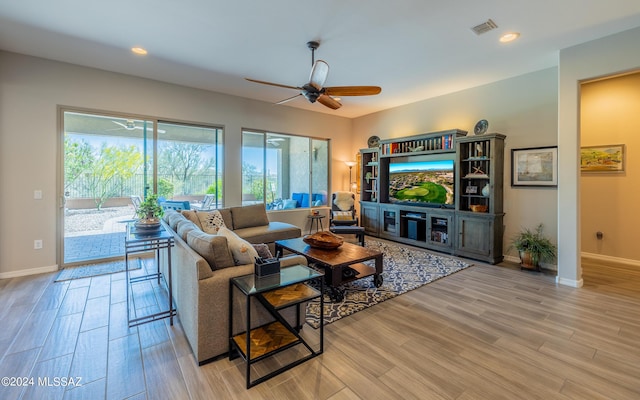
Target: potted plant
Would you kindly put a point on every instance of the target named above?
(533, 248)
(149, 212)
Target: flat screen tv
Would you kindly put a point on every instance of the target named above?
(424, 183)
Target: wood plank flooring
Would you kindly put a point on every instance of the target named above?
(487, 332)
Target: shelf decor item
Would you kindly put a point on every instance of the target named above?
(534, 166)
(149, 213)
(481, 127)
(486, 190)
(533, 247)
(609, 158)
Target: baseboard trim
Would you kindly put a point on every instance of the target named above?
(569, 282)
(31, 271)
(610, 259)
(545, 266)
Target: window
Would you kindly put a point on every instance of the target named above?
(190, 163)
(284, 171)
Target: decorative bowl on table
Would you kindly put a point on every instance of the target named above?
(323, 240)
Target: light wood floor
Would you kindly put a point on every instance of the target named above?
(488, 332)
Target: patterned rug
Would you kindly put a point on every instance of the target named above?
(90, 270)
(404, 269)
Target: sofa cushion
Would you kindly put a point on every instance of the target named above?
(167, 214)
(270, 233)
(247, 216)
(174, 218)
(192, 215)
(211, 221)
(242, 251)
(213, 248)
(185, 227)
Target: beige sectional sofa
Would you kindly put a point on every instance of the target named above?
(201, 278)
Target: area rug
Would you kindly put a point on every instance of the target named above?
(404, 269)
(89, 270)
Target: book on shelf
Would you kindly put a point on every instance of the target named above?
(477, 176)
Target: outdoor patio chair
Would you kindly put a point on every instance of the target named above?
(136, 200)
(207, 203)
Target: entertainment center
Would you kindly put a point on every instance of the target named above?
(440, 190)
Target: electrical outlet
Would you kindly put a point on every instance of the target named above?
(37, 244)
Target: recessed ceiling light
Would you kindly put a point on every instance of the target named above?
(139, 50)
(509, 37)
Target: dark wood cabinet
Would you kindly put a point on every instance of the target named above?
(479, 236)
(473, 228)
(479, 192)
(369, 218)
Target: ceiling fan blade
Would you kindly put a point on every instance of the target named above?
(319, 73)
(329, 101)
(352, 90)
(289, 99)
(273, 84)
(121, 124)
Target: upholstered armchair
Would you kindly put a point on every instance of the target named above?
(343, 210)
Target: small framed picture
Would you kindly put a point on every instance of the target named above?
(608, 158)
(472, 189)
(534, 166)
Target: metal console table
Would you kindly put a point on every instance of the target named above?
(140, 241)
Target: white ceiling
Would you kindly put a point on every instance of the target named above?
(413, 49)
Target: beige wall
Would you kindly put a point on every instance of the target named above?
(607, 56)
(31, 89)
(609, 114)
(524, 108)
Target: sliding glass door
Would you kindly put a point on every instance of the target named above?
(284, 171)
(108, 161)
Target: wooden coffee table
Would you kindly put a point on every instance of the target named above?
(341, 265)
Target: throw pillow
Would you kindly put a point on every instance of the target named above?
(192, 216)
(242, 251)
(249, 216)
(263, 250)
(289, 204)
(342, 215)
(211, 221)
(213, 248)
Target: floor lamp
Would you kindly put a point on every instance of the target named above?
(350, 164)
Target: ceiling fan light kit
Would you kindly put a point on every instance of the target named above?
(314, 90)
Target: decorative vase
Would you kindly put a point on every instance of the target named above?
(486, 190)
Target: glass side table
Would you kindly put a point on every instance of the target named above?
(141, 241)
(289, 288)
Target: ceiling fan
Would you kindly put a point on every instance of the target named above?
(274, 141)
(131, 125)
(315, 91)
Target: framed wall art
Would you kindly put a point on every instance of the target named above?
(534, 166)
(607, 158)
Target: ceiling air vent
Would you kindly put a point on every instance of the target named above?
(484, 27)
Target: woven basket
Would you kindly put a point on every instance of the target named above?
(478, 208)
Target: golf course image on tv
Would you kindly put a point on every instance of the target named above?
(422, 182)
